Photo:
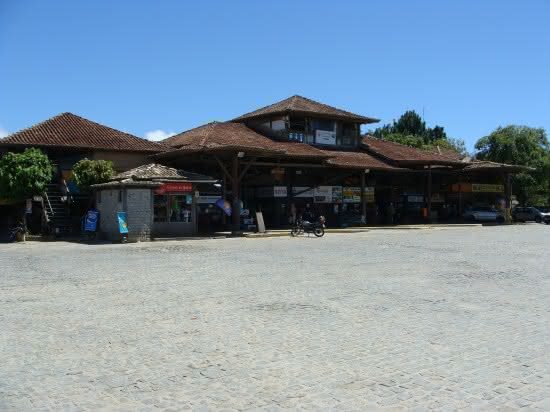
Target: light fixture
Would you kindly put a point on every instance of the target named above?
(367, 170)
(240, 154)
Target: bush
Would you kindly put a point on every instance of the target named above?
(23, 175)
(92, 172)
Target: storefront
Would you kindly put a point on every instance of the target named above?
(154, 200)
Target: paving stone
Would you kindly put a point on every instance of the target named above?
(444, 319)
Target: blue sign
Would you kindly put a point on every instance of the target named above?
(90, 224)
(122, 222)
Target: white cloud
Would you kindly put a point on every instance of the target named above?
(3, 132)
(158, 134)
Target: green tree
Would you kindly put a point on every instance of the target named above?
(525, 146)
(88, 172)
(25, 174)
(411, 130)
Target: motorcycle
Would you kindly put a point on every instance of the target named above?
(304, 226)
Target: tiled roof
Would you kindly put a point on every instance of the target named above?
(485, 165)
(356, 160)
(69, 130)
(301, 150)
(154, 171)
(303, 105)
(402, 154)
(226, 136)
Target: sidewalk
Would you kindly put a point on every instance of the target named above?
(364, 229)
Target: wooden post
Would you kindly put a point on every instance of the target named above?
(429, 194)
(508, 198)
(236, 209)
(460, 199)
(224, 197)
(363, 199)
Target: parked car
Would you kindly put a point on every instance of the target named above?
(526, 214)
(483, 214)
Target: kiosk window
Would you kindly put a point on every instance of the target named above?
(160, 208)
(180, 208)
(173, 208)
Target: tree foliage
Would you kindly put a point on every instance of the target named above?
(526, 146)
(88, 172)
(25, 174)
(412, 131)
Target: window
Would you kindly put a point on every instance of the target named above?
(160, 208)
(173, 208)
(322, 124)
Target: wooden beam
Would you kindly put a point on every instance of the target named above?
(245, 168)
(236, 209)
(224, 169)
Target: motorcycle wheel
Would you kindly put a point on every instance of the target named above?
(319, 231)
(294, 232)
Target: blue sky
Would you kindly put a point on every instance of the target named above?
(142, 66)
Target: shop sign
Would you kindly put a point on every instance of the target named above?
(351, 194)
(271, 191)
(487, 188)
(325, 137)
(322, 194)
(302, 191)
(415, 199)
(172, 187)
(210, 200)
(336, 194)
(279, 191)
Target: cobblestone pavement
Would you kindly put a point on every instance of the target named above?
(425, 319)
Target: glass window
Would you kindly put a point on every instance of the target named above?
(180, 208)
(322, 124)
(173, 208)
(160, 208)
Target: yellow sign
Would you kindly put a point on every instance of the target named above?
(487, 188)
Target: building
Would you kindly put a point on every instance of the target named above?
(298, 153)
(66, 139)
(158, 201)
(286, 157)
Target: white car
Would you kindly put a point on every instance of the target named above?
(483, 214)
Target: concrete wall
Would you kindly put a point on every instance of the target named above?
(139, 206)
(108, 204)
(123, 161)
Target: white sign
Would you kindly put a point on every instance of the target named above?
(302, 191)
(260, 220)
(325, 137)
(279, 191)
(271, 191)
(322, 194)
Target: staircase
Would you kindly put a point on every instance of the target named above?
(57, 211)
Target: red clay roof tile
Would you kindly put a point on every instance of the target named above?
(69, 130)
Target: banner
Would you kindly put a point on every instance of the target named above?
(174, 187)
(90, 223)
(487, 188)
(122, 222)
(351, 194)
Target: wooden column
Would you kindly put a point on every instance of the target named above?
(363, 199)
(460, 199)
(236, 210)
(429, 202)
